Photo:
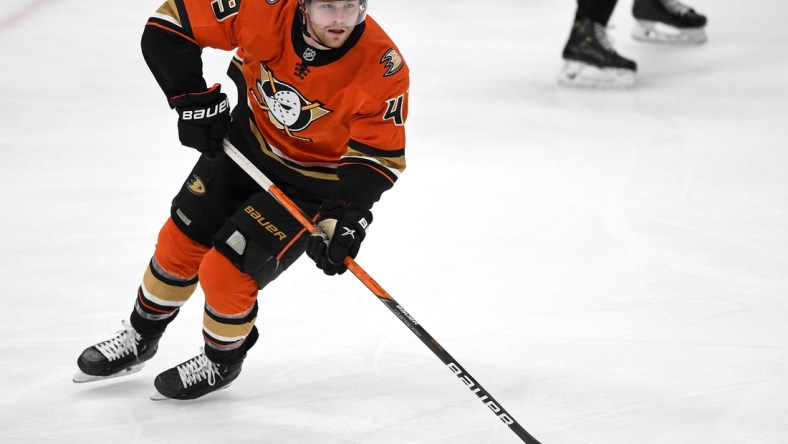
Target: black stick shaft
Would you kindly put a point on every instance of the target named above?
(384, 297)
(455, 367)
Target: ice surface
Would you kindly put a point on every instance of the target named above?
(611, 265)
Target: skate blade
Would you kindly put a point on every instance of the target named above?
(578, 74)
(81, 377)
(656, 32)
(156, 396)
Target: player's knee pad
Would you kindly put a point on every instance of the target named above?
(249, 256)
(262, 238)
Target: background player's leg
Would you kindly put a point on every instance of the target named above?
(598, 11)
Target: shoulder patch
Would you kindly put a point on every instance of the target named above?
(392, 61)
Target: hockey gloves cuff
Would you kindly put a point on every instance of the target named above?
(203, 119)
(344, 227)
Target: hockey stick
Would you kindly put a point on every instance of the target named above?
(384, 297)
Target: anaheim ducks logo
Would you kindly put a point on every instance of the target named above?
(287, 109)
(196, 185)
(392, 61)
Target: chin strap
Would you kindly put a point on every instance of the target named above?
(305, 30)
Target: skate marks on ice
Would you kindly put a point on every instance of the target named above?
(695, 256)
(713, 322)
(19, 11)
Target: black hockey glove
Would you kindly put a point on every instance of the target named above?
(344, 227)
(203, 119)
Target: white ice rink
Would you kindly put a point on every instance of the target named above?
(611, 265)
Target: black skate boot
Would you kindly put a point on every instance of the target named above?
(194, 378)
(667, 21)
(123, 354)
(590, 59)
(200, 375)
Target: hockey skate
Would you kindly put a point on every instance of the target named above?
(123, 354)
(667, 21)
(590, 59)
(194, 378)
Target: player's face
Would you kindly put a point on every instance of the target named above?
(332, 21)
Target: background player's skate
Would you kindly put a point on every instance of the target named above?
(667, 21)
(590, 59)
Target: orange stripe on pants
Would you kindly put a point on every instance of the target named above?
(176, 254)
(228, 290)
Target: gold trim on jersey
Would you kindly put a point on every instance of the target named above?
(397, 164)
(287, 109)
(169, 9)
(266, 149)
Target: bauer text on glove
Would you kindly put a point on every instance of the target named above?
(203, 119)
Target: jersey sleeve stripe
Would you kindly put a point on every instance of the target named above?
(169, 9)
(173, 13)
(153, 22)
(372, 151)
(182, 16)
(167, 18)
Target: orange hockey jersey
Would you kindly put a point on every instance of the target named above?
(329, 121)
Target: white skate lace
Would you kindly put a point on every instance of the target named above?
(676, 7)
(600, 32)
(198, 368)
(124, 342)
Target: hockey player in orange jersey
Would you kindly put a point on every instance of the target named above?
(323, 99)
